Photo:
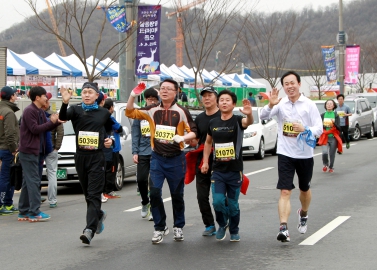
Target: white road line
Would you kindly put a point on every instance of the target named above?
(139, 207)
(265, 169)
(314, 238)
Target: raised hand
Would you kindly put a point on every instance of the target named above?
(274, 97)
(66, 95)
(246, 107)
(138, 90)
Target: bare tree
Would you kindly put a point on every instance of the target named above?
(206, 31)
(72, 18)
(365, 78)
(311, 55)
(268, 40)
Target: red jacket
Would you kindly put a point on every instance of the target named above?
(325, 135)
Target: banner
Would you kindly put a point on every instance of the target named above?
(148, 41)
(117, 17)
(329, 60)
(352, 64)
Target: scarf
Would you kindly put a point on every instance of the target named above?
(91, 107)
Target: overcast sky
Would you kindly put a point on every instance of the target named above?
(14, 11)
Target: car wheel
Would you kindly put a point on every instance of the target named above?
(357, 134)
(119, 177)
(275, 149)
(370, 135)
(260, 154)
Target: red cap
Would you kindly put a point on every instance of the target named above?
(48, 95)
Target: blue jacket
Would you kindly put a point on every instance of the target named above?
(116, 127)
(141, 145)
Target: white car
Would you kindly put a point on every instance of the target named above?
(67, 174)
(260, 137)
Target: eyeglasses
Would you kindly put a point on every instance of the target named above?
(167, 89)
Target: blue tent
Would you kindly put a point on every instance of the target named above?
(59, 61)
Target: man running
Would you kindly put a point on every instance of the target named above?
(343, 112)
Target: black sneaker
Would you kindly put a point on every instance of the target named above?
(86, 236)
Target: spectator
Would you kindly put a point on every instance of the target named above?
(252, 100)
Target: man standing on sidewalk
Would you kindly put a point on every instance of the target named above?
(299, 122)
(344, 112)
(9, 137)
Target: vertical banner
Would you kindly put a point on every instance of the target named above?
(329, 60)
(148, 41)
(116, 15)
(352, 64)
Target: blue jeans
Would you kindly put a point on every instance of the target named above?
(30, 197)
(6, 190)
(174, 170)
(226, 186)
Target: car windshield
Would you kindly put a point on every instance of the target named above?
(351, 105)
(255, 115)
(68, 128)
(372, 101)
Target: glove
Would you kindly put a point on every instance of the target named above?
(138, 90)
(178, 138)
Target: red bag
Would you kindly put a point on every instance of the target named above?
(245, 184)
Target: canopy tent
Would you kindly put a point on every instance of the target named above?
(165, 70)
(243, 81)
(247, 77)
(187, 78)
(16, 66)
(40, 65)
(225, 80)
(214, 81)
(191, 73)
(100, 65)
(60, 62)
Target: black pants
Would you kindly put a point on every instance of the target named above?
(203, 187)
(111, 171)
(142, 176)
(90, 168)
(345, 133)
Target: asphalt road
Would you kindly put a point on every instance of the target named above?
(341, 227)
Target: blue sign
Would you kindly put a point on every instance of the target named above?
(117, 17)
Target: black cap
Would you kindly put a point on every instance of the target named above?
(150, 92)
(91, 86)
(7, 92)
(208, 89)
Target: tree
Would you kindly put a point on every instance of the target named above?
(73, 18)
(311, 55)
(268, 40)
(206, 32)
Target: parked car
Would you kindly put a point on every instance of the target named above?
(372, 98)
(260, 137)
(67, 174)
(362, 120)
(321, 105)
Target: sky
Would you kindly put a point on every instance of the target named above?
(15, 11)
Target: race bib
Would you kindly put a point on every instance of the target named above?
(164, 134)
(224, 151)
(341, 114)
(288, 128)
(145, 128)
(88, 140)
(327, 122)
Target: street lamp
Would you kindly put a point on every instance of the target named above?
(342, 42)
(217, 59)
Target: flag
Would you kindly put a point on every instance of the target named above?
(116, 15)
(352, 64)
(328, 55)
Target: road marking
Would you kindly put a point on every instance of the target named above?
(139, 207)
(265, 169)
(314, 238)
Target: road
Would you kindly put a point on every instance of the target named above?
(341, 226)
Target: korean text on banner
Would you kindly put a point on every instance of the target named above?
(117, 17)
(328, 55)
(352, 64)
(148, 40)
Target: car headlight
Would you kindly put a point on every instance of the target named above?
(249, 134)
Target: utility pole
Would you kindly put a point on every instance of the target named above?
(126, 58)
(341, 42)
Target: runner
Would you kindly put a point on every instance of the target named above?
(344, 112)
(225, 133)
(298, 122)
(168, 122)
(88, 120)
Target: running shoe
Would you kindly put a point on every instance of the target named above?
(103, 198)
(12, 208)
(43, 199)
(40, 217)
(5, 212)
(158, 235)
(348, 145)
(302, 222)
(86, 236)
(53, 205)
(178, 234)
(112, 195)
(209, 231)
(283, 234)
(23, 217)
(235, 237)
(324, 169)
(221, 233)
(150, 217)
(101, 226)
(331, 170)
(145, 210)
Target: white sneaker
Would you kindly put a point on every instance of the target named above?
(302, 222)
(145, 210)
(103, 198)
(178, 234)
(158, 235)
(150, 217)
